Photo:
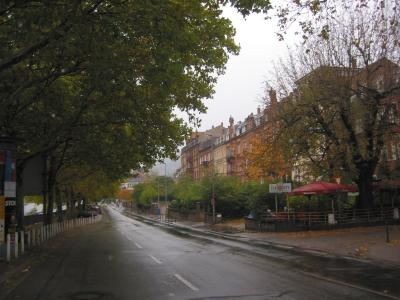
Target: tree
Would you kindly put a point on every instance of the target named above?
(186, 193)
(339, 95)
(267, 158)
(96, 82)
(314, 17)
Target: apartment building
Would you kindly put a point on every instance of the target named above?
(225, 151)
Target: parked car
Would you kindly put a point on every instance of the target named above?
(89, 210)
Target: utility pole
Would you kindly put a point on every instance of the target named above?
(213, 179)
(158, 191)
(166, 189)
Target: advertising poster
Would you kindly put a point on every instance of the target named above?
(2, 219)
(9, 176)
(2, 167)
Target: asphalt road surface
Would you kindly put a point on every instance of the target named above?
(123, 258)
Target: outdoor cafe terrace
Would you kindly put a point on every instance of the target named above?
(311, 219)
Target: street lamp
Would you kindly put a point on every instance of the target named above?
(213, 175)
(166, 190)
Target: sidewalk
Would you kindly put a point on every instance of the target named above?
(367, 243)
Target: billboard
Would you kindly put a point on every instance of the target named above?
(2, 218)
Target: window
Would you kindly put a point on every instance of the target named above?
(379, 83)
(392, 114)
(393, 151)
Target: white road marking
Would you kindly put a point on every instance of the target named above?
(185, 282)
(385, 295)
(128, 251)
(156, 259)
(284, 247)
(138, 245)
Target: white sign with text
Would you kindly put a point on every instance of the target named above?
(280, 188)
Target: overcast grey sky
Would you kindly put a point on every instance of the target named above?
(240, 90)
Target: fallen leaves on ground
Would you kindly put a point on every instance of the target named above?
(361, 251)
(394, 243)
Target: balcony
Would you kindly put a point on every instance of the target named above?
(205, 163)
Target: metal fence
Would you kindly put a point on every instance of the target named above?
(326, 217)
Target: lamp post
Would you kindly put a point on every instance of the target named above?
(212, 181)
(166, 190)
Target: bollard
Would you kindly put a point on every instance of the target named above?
(29, 239)
(22, 235)
(8, 248)
(34, 237)
(16, 245)
(387, 232)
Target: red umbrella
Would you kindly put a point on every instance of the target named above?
(320, 187)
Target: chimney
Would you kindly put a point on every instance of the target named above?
(354, 62)
(272, 97)
(258, 110)
(231, 127)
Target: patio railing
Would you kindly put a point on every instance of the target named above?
(347, 216)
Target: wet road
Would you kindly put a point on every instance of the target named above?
(122, 258)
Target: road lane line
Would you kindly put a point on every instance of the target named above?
(185, 282)
(156, 259)
(128, 251)
(358, 287)
(138, 245)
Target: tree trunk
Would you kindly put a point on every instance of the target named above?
(20, 199)
(365, 189)
(50, 206)
(51, 181)
(59, 200)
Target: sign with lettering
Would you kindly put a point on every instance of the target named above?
(10, 202)
(278, 188)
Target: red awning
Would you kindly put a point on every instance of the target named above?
(320, 187)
